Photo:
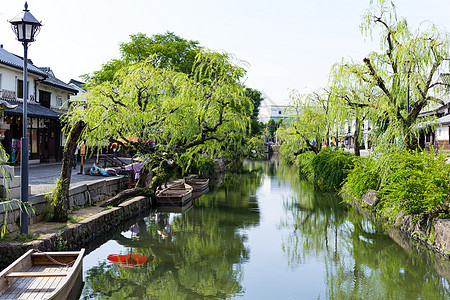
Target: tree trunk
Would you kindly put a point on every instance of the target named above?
(62, 193)
(356, 137)
(411, 142)
(312, 147)
(127, 194)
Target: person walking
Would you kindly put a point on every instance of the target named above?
(75, 156)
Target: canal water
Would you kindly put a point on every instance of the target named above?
(262, 235)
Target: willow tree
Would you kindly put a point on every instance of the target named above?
(186, 115)
(404, 71)
(352, 100)
(310, 122)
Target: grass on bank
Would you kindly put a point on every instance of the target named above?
(410, 182)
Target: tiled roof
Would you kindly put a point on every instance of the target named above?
(445, 120)
(33, 110)
(52, 80)
(15, 61)
(77, 83)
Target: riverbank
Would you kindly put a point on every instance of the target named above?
(433, 232)
(54, 236)
(88, 218)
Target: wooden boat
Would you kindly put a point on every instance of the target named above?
(174, 195)
(198, 194)
(198, 184)
(43, 275)
(178, 208)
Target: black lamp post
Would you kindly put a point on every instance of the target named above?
(26, 27)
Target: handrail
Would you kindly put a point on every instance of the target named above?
(112, 160)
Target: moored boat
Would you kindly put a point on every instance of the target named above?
(43, 275)
(198, 184)
(175, 195)
(200, 193)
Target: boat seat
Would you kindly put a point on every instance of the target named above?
(36, 274)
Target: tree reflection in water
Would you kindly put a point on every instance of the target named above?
(361, 260)
(194, 255)
(203, 252)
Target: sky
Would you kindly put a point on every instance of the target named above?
(288, 44)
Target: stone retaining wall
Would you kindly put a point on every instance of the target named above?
(435, 233)
(81, 195)
(73, 235)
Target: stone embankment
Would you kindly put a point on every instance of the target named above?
(71, 236)
(435, 233)
(79, 196)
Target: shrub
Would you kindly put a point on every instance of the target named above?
(256, 147)
(417, 183)
(202, 165)
(206, 166)
(331, 168)
(304, 163)
(364, 176)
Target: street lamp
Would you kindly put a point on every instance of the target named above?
(26, 27)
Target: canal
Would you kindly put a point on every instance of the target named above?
(262, 235)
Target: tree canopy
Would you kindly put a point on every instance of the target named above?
(182, 113)
(168, 51)
(404, 72)
(310, 122)
(390, 87)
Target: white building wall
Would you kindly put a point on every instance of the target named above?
(442, 133)
(9, 81)
(275, 112)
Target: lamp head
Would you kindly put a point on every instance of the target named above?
(25, 26)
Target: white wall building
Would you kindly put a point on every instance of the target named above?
(47, 97)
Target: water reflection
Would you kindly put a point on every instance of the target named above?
(193, 255)
(265, 235)
(361, 259)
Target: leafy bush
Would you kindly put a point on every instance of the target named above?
(289, 151)
(256, 147)
(417, 183)
(304, 163)
(331, 168)
(202, 165)
(364, 176)
(206, 166)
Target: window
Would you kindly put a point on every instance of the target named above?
(279, 112)
(44, 98)
(0, 81)
(19, 88)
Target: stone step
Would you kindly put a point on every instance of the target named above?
(9, 171)
(14, 193)
(11, 182)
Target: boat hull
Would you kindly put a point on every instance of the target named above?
(38, 275)
(174, 196)
(198, 184)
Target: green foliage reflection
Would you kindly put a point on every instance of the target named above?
(195, 255)
(361, 260)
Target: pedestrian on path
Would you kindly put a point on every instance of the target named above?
(75, 156)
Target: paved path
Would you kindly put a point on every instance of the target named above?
(42, 176)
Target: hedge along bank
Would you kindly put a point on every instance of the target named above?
(413, 190)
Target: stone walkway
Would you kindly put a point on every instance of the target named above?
(42, 177)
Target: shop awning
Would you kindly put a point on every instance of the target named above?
(34, 111)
